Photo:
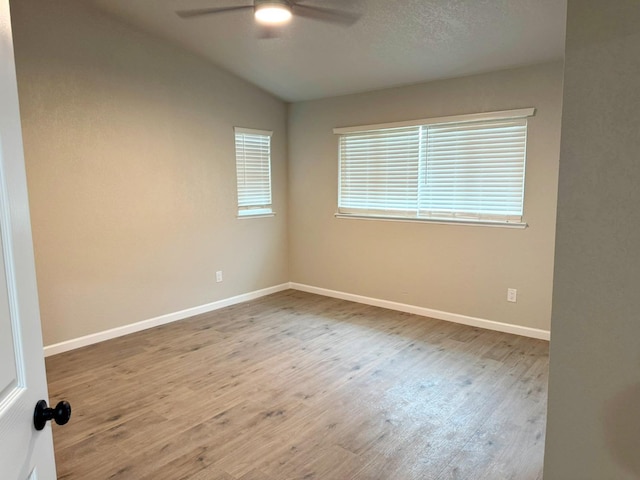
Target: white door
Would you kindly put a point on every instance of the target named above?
(24, 452)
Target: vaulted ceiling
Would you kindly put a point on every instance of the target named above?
(393, 43)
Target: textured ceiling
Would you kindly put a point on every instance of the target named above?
(394, 42)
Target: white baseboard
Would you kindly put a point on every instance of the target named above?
(209, 307)
(154, 322)
(427, 312)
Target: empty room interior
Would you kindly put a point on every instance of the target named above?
(384, 240)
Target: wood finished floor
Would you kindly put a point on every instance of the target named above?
(299, 386)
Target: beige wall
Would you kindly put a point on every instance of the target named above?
(594, 388)
(130, 163)
(457, 269)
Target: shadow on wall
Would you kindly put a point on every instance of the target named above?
(622, 428)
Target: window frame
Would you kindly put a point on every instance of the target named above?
(509, 221)
(258, 209)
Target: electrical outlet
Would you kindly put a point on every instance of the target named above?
(219, 276)
(512, 295)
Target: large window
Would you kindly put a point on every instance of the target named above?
(253, 169)
(465, 168)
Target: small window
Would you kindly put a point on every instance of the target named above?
(253, 169)
(467, 168)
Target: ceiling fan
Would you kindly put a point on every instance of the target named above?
(279, 12)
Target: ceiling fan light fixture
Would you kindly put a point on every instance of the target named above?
(273, 13)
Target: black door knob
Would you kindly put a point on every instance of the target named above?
(61, 414)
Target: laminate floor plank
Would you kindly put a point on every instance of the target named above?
(299, 386)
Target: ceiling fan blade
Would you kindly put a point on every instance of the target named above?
(325, 14)
(208, 11)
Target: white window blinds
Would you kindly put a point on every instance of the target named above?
(379, 171)
(253, 168)
(469, 169)
(475, 170)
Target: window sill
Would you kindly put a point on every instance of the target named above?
(473, 223)
(255, 215)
